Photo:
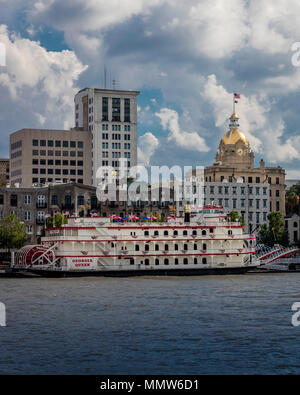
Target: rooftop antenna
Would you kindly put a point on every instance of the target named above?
(114, 84)
(105, 76)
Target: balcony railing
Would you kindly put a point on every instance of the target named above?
(41, 205)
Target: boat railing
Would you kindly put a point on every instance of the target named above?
(137, 238)
(133, 252)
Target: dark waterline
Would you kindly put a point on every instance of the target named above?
(181, 325)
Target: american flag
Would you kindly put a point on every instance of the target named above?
(47, 216)
(237, 96)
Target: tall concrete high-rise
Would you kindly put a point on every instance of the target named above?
(111, 116)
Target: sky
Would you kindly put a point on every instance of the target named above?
(186, 59)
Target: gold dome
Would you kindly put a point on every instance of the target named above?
(233, 136)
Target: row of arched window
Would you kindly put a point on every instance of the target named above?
(166, 261)
(176, 233)
(166, 247)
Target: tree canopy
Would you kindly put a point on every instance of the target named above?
(12, 233)
(291, 199)
(57, 221)
(274, 232)
(235, 217)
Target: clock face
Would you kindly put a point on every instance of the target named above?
(240, 151)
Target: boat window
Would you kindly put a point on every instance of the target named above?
(203, 232)
(195, 247)
(176, 261)
(230, 232)
(185, 233)
(146, 233)
(185, 247)
(166, 261)
(204, 247)
(131, 261)
(166, 233)
(195, 261)
(147, 262)
(211, 230)
(166, 247)
(147, 247)
(175, 233)
(194, 233)
(204, 261)
(137, 247)
(156, 233)
(176, 247)
(156, 262)
(185, 261)
(156, 247)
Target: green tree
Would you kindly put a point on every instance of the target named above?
(12, 233)
(235, 217)
(274, 232)
(291, 199)
(56, 221)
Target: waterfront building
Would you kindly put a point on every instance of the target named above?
(292, 224)
(234, 163)
(111, 116)
(42, 156)
(32, 205)
(4, 171)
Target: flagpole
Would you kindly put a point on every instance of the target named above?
(233, 103)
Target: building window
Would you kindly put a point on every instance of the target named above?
(80, 200)
(27, 199)
(13, 200)
(35, 143)
(27, 215)
(104, 108)
(54, 200)
(126, 110)
(116, 110)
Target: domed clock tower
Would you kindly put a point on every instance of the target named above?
(234, 149)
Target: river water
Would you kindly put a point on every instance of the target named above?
(181, 325)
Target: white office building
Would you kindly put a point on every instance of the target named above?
(111, 116)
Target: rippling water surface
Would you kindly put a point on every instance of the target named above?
(181, 325)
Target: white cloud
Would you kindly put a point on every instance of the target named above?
(251, 112)
(254, 119)
(37, 84)
(187, 140)
(278, 150)
(148, 144)
(292, 174)
(88, 15)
